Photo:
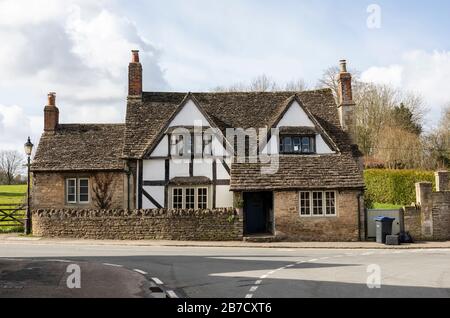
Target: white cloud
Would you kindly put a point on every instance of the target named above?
(16, 126)
(78, 48)
(390, 75)
(424, 73)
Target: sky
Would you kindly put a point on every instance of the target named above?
(80, 49)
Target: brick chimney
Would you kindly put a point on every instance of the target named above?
(51, 114)
(135, 76)
(345, 98)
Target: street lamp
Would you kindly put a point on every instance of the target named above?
(28, 151)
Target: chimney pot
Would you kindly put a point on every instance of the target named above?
(343, 64)
(51, 99)
(135, 56)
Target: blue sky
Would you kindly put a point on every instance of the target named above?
(80, 49)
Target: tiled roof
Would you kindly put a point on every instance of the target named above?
(103, 147)
(299, 172)
(81, 148)
(146, 119)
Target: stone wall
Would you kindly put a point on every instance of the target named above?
(343, 227)
(49, 188)
(210, 225)
(441, 216)
(430, 219)
(413, 221)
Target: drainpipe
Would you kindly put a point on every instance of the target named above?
(128, 172)
(360, 195)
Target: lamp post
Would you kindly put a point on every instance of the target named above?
(28, 151)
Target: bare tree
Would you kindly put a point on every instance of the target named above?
(11, 163)
(103, 183)
(438, 142)
(263, 83)
(296, 86)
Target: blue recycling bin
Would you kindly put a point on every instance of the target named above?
(384, 228)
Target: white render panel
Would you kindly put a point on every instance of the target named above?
(322, 147)
(162, 150)
(295, 117)
(272, 147)
(203, 168)
(224, 197)
(218, 149)
(179, 168)
(190, 115)
(157, 193)
(154, 170)
(222, 173)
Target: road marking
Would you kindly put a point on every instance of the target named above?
(112, 265)
(249, 296)
(253, 289)
(290, 266)
(258, 282)
(158, 281)
(172, 294)
(59, 261)
(313, 260)
(140, 272)
(367, 253)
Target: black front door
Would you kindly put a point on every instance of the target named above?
(257, 208)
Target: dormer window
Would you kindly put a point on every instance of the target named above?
(298, 145)
(199, 145)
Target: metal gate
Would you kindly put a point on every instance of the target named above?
(397, 226)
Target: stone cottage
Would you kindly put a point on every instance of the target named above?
(284, 160)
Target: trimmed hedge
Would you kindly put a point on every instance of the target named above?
(394, 186)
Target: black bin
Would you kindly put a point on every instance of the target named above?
(384, 228)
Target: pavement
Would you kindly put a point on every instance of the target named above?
(235, 244)
(249, 272)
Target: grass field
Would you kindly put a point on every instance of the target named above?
(11, 196)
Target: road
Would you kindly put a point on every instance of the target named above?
(202, 272)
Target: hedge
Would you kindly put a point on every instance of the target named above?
(394, 186)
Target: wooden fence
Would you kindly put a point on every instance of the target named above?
(12, 217)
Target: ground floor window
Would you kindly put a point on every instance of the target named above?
(190, 198)
(77, 191)
(317, 203)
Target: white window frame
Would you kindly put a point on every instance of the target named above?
(197, 196)
(183, 204)
(184, 196)
(324, 205)
(67, 190)
(79, 192)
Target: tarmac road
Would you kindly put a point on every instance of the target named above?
(205, 272)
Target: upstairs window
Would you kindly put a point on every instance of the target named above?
(297, 145)
(181, 145)
(199, 145)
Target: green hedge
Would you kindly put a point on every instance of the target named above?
(394, 186)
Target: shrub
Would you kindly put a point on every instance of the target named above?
(394, 186)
